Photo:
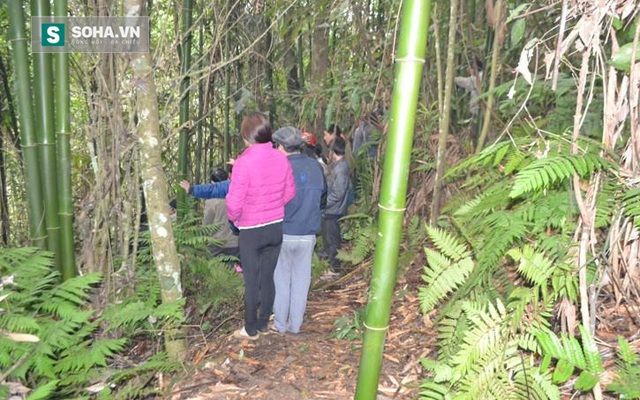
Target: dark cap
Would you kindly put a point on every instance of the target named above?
(288, 136)
(219, 175)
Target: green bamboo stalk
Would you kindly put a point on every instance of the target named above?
(18, 40)
(43, 83)
(445, 114)
(412, 45)
(185, 67)
(63, 141)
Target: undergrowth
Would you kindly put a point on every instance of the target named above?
(499, 272)
(53, 345)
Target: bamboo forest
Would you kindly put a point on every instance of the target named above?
(330, 199)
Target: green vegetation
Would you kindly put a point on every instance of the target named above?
(528, 176)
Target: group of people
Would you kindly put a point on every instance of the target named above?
(280, 194)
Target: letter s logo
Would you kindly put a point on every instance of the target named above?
(52, 33)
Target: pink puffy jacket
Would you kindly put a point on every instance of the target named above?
(261, 185)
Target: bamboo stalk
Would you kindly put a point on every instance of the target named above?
(35, 206)
(63, 142)
(45, 131)
(412, 45)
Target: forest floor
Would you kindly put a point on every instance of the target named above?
(322, 361)
(315, 364)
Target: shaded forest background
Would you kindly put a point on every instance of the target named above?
(530, 188)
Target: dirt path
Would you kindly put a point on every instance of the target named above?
(313, 364)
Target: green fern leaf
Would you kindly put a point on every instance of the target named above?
(441, 279)
(448, 245)
(483, 337)
(44, 392)
(563, 371)
(592, 356)
(586, 381)
(534, 266)
(626, 353)
(434, 391)
(544, 172)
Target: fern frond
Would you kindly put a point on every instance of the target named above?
(628, 362)
(483, 336)
(447, 244)
(44, 392)
(531, 383)
(434, 391)
(488, 378)
(631, 203)
(441, 276)
(130, 314)
(451, 330)
(493, 155)
(504, 230)
(571, 354)
(544, 172)
(626, 354)
(534, 266)
(592, 356)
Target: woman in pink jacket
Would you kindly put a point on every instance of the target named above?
(262, 184)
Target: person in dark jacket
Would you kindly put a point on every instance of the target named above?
(338, 185)
(302, 217)
(213, 190)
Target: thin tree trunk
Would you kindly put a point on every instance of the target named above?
(20, 56)
(290, 63)
(412, 45)
(13, 132)
(300, 56)
(269, 72)
(445, 113)
(319, 67)
(154, 183)
(185, 123)
(495, 56)
(63, 141)
(43, 83)
(200, 168)
(4, 204)
(227, 113)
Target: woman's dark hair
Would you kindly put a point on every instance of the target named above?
(339, 146)
(256, 128)
(334, 130)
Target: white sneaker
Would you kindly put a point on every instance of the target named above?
(242, 334)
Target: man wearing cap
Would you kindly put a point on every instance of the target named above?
(311, 149)
(302, 218)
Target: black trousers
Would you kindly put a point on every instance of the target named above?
(332, 240)
(259, 250)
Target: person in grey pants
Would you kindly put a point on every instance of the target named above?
(302, 216)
